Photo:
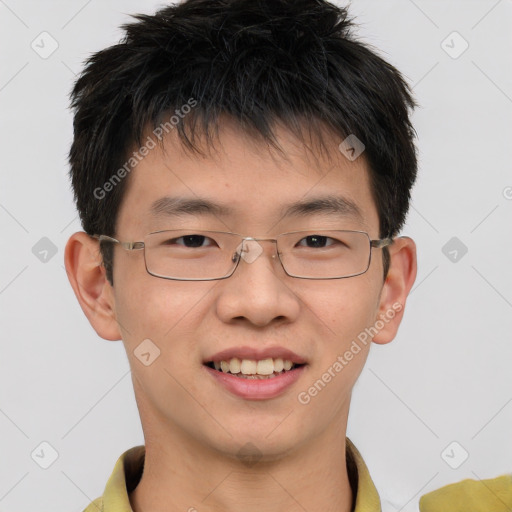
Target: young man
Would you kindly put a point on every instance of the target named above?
(242, 169)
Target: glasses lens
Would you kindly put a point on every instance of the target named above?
(325, 254)
(190, 254)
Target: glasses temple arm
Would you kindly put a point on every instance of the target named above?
(129, 246)
(379, 244)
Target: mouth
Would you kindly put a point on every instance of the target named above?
(254, 369)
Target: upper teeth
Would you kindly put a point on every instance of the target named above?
(252, 367)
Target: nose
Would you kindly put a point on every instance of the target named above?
(257, 291)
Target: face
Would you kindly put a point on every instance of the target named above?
(258, 307)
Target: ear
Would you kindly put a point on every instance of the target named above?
(86, 274)
(396, 288)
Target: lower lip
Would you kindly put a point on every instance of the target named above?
(257, 389)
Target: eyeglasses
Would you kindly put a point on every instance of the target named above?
(199, 255)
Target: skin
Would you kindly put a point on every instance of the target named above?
(193, 427)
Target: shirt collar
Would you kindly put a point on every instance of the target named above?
(128, 471)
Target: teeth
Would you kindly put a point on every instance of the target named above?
(278, 365)
(259, 377)
(265, 367)
(250, 368)
(234, 365)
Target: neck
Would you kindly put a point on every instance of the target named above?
(180, 474)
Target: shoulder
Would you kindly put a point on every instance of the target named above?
(471, 496)
(95, 506)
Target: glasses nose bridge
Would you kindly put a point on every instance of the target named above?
(260, 239)
(250, 253)
(251, 238)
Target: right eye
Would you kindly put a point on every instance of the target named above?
(190, 241)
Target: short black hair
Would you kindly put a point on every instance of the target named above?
(260, 62)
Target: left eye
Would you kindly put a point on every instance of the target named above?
(318, 241)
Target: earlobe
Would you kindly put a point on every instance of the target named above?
(86, 275)
(396, 288)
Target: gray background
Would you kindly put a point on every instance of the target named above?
(446, 378)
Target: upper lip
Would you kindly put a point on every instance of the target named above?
(256, 354)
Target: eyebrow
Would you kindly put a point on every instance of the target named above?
(331, 205)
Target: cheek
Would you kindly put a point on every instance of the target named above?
(343, 308)
(341, 311)
(163, 311)
(159, 322)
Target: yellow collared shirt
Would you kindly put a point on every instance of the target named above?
(128, 471)
(491, 495)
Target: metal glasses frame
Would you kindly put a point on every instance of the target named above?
(134, 246)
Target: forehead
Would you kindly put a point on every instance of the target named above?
(242, 183)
